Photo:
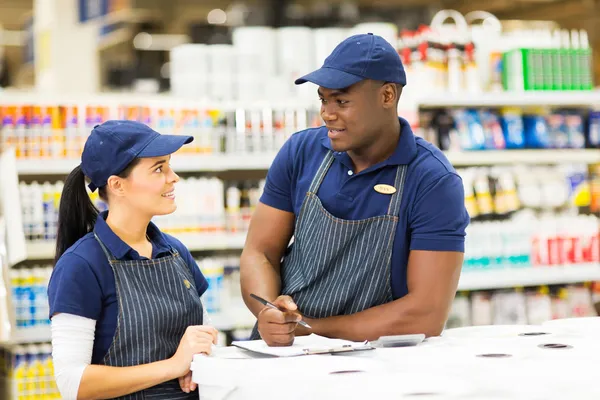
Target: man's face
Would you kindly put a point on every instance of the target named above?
(352, 115)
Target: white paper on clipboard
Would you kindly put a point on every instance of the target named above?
(304, 345)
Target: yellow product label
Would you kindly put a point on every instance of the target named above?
(500, 203)
(582, 195)
(512, 201)
(471, 206)
(485, 204)
(57, 200)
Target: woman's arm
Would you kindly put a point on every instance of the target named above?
(72, 344)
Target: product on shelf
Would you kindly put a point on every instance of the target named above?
(528, 241)
(561, 61)
(223, 298)
(204, 205)
(29, 297)
(596, 297)
(510, 128)
(232, 129)
(498, 192)
(29, 372)
(522, 306)
(595, 188)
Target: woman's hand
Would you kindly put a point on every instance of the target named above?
(198, 339)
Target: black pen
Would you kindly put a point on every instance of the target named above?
(269, 304)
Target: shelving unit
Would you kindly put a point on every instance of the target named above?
(237, 317)
(532, 276)
(250, 162)
(512, 99)
(44, 249)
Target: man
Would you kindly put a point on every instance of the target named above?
(377, 215)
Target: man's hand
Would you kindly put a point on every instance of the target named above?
(277, 327)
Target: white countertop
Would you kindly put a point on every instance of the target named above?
(447, 367)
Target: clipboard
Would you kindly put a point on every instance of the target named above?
(303, 346)
(342, 349)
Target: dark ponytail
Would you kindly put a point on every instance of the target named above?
(76, 215)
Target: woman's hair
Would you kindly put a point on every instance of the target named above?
(77, 214)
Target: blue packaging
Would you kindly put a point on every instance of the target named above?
(557, 131)
(536, 132)
(492, 131)
(594, 130)
(462, 129)
(574, 127)
(513, 129)
(475, 130)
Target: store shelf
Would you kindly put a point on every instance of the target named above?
(196, 163)
(236, 317)
(248, 162)
(41, 334)
(542, 156)
(517, 99)
(217, 241)
(41, 250)
(45, 249)
(524, 277)
(223, 162)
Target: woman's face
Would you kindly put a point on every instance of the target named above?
(150, 187)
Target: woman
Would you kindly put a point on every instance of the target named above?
(124, 297)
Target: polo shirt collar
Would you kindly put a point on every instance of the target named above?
(405, 152)
(122, 250)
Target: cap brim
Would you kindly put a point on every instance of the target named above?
(330, 78)
(163, 145)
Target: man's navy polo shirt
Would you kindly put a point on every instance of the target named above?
(83, 283)
(432, 213)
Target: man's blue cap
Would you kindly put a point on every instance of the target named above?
(114, 144)
(359, 57)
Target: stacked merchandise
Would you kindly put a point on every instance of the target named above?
(463, 58)
(29, 297)
(264, 61)
(261, 63)
(511, 128)
(527, 217)
(59, 131)
(223, 276)
(524, 306)
(27, 373)
(205, 205)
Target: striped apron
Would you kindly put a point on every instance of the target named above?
(337, 266)
(157, 300)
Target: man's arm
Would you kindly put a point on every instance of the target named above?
(432, 281)
(436, 255)
(268, 237)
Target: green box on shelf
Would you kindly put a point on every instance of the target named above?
(585, 68)
(523, 70)
(548, 68)
(567, 77)
(556, 71)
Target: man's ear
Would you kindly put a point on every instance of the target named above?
(390, 94)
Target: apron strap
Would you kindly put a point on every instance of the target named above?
(316, 182)
(395, 201)
(394, 208)
(109, 255)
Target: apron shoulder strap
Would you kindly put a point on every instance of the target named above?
(104, 249)
(316, 182)
(396, 200)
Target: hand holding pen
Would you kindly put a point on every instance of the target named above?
(278, 320)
